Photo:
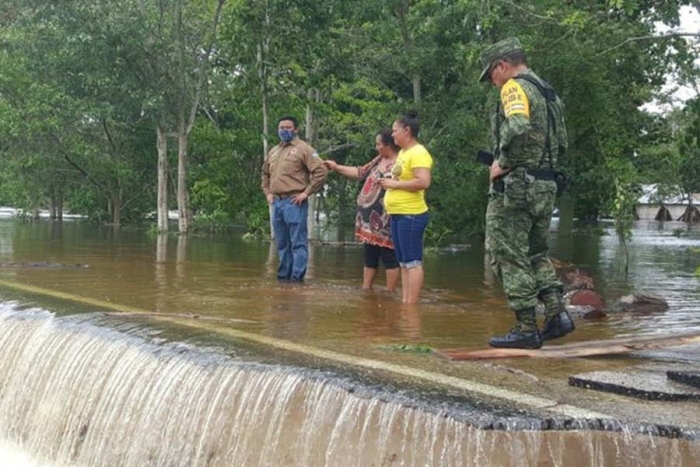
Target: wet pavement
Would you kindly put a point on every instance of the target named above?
(225, 288)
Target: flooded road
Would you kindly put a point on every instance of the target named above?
(462, 305)
(216, 291)
(228, 277)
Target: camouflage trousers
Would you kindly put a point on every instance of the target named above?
(517, 237)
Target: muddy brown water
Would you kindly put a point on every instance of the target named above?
(229, 278)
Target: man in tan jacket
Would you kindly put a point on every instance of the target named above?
(292, 171)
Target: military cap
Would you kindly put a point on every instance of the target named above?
(495, 51)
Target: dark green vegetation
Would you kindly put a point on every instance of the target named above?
(107, 106)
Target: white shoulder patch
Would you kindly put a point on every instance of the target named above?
(315, 154)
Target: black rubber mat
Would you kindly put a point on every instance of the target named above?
(691, 378)
(641, 385)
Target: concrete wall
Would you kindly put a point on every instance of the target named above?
(649, 211)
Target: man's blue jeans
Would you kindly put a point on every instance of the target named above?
(291, 236)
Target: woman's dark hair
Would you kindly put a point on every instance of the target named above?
(410, 120)
(388, 140)
(291, 119)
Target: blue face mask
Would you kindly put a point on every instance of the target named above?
(286, 135)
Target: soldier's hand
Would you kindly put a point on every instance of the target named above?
(270, 198)
(300, 198)
(496, 171)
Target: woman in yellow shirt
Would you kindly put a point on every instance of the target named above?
(405, 202)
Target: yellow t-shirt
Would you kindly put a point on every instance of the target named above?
(397, 201)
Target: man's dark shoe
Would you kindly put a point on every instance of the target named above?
(517, 339)
(559, 326)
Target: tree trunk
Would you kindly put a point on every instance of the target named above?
(161, 248)
(625, 256)
(183, 207)
(162, 179)
(401, 12)
(189, 97)
(566, 215)
(262, 64)
(416, 88)
(262, 56)
(663, 214)
(343, 208)
(58, 205)
(691, 214)
(266, 126)
(161, 272)
(180, 260)
(52, 202)
(310, 134)
(116, 203)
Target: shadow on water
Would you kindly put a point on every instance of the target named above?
(120, 394)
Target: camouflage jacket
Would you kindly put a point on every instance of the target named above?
(519, 127)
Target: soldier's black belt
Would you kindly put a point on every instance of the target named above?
(543, 174)
(537, 174)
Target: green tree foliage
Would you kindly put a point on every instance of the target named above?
(91, 80)
(689, 149)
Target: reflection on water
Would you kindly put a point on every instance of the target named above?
(228, 277)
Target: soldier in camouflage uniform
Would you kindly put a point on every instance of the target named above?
(529, 134)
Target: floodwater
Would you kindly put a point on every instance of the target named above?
(225, 283)
(226, 276)
(462, 304)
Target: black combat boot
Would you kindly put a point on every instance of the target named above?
(524, 335)
(558, 326)
(557, 322)
(517, 339)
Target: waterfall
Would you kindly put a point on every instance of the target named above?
(81, 391)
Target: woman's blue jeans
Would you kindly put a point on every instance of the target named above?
(407, 233)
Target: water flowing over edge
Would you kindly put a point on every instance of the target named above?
(77, 392)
